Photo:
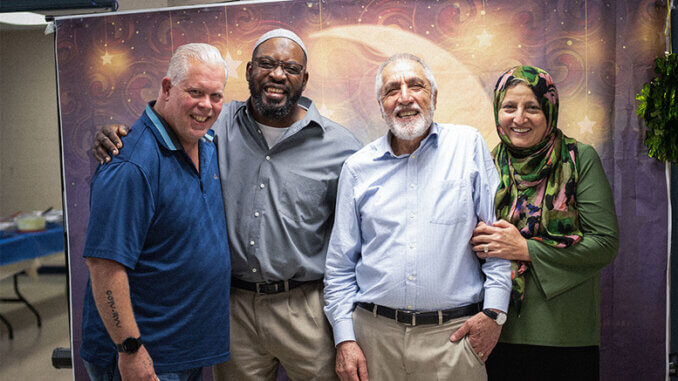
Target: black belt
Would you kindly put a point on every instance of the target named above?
(270, 287)
(416, 318)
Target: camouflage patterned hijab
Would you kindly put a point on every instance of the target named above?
(538, 183)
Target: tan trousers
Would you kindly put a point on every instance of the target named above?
(288, 328)
(399, 352)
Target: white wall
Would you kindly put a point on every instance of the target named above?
(30, 173)
(29, 140)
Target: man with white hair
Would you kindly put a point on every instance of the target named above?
(156, 250)
(401, 277)
(280, 162)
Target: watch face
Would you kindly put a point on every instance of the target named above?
(501, 319)
(130, 345)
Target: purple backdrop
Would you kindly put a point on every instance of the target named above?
(599, 53)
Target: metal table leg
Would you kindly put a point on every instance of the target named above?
(19, 298)
(9, 327)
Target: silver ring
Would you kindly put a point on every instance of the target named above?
(486, 249)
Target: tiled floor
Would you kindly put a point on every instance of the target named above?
(29, 355)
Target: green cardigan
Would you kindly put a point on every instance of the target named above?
(562, 296)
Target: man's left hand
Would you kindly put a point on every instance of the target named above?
(483, 334)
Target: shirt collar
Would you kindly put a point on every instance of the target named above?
(312, 114)
(383, 149)
(165, 134)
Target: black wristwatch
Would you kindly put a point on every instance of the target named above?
(499, 318)
(130, 345)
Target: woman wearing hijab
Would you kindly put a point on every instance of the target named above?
(557, 225)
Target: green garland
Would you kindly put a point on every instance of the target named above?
(658, 106)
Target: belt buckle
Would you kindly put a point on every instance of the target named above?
(412, 322)
(266, 286)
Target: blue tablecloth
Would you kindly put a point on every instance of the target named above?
(22, 246)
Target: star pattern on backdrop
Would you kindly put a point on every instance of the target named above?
(324, 111)
(232, 65)
(107, 59)
(484, 39)
(586, 125)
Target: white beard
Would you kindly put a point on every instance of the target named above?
(408, 130)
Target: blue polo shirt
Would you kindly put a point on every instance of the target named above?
(151, 211)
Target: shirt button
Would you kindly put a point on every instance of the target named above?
(411, 246)
(412, 215)
(251, 243)
(268, 157)
(262, 186)
(254, 270)
(216, 176)
(410, 277)
(412, 186)
(256, 214)
(413, 156)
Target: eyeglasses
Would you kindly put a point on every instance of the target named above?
(270, 64)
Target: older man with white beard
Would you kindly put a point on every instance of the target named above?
(405, 294)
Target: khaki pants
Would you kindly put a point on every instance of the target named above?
(288, 328)
(400, 352)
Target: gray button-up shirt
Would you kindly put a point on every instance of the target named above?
(280, 201)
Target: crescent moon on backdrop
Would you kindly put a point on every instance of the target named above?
(461, 97)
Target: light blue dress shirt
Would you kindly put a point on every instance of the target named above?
(403, 225)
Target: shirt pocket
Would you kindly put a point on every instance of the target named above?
(451, 202)
(303, 198)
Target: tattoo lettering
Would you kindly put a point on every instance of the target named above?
(111, 303)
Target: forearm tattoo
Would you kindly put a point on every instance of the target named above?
(114, 311)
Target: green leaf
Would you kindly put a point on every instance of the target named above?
(658, 107)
